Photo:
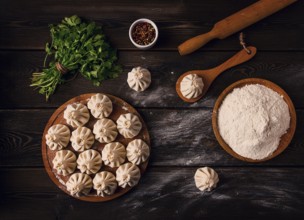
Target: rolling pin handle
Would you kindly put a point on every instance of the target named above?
(194, 43)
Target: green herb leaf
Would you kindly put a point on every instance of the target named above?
(77, 46)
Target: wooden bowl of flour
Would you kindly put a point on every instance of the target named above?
(285, 139)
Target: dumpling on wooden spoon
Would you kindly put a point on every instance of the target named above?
(191, 86)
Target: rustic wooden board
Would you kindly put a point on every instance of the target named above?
(169, 193)
(174, 140)
(25, 25)
(119, 107)
(166, 67)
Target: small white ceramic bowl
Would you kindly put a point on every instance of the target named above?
(143, 47)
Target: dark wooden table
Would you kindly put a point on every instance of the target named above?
(182, 136)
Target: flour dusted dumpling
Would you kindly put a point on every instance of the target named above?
(104, 183)
(76, 114)
(58, 137)
(205, 179)
(82, 139)
(191, 86)
(100, 106)
(128, 125)
(79, 184)
(127, 174)
(89, 161)
(113, 154)
(137, 151)
(64, 162)
(105, 130)
(139, 79)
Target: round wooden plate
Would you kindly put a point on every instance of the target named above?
(285, 139)
(119, 107)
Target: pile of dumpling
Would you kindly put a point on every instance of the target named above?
(89, 161)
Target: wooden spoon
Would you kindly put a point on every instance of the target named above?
(210, 75)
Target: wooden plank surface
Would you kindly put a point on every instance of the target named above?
(181, 133)
(245, 193)
(24, 25)
(285, 69)
(179, 138)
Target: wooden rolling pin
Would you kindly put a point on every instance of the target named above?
(235, 23)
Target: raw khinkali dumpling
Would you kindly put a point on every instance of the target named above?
(139, 79)
(191, 86)
(137, 151)
(113, 154)
(128, 125)
(105, 130)
(82, 139)
(64, 162)
(127, 174)
(79, 184)
(100, 106)
(58, 137)
(104, 183)
(89, 161)
(205, 179)
(76, 114)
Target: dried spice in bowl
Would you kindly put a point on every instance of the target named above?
(143, 33)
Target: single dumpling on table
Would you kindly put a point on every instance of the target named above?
(139, 79)
(128, 125)
(79, 184)
(89, 161)
(64, 162)
(191, 86)
(82, 139)
(76, 115)
(105, 130)
(137, 151)
(127, 174)
(206, 178)
(114, 154)
(100, 106)
(58, 137)
(104, 183)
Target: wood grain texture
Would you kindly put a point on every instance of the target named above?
(169, 193)
(282, 68)
(25, 25)
(234, 23)
(181, 133)
(178, 138)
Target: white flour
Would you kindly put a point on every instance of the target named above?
(252, 119)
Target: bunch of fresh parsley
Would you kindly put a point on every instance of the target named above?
(77, 46)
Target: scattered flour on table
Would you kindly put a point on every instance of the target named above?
(252, 119)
